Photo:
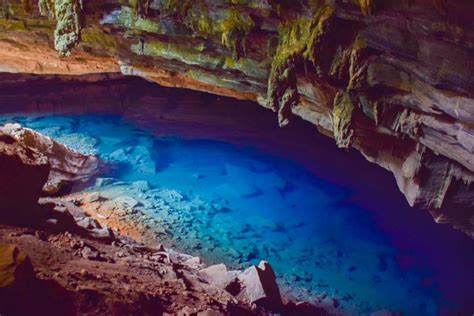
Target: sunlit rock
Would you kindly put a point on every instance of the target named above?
(260, 286)
(67, 167)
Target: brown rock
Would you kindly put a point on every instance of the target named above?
(67, 166)
(15, 267)
(24, 172)
(217, 275)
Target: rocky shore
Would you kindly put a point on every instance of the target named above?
(87, 254)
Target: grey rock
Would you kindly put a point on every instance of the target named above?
(260, 285)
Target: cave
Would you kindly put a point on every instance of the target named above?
(254, 157)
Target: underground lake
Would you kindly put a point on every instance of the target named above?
(239, 199)
(237, 157)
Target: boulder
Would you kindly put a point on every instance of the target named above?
(24, 171)
(15, 268)
(21, 293)
(217, 275)
(65, 216)
(67, 167)
(92, 228)
(194, 263)
(260, 286)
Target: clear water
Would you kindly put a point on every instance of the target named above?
(239, 205)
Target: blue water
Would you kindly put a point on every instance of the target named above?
(239, 205)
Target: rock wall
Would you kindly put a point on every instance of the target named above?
(392, 79)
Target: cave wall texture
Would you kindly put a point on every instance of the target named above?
(393, 79)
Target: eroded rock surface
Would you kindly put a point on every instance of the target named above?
(24, 172)
(32, 165)
(392, 79)
(67, 167)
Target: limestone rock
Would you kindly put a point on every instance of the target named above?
(67, 167)
(217, 275)
(15, 267)
(65, 216)
(260, 286)
(21, 165)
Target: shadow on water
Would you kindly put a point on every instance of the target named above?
(160, 154)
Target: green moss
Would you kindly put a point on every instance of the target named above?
(247, 66)
(183, 54)
(282, 92)
(179, 8)
(68, 26)
(27, 26)
(294, 37)
(231, 31)
(234, 30)
(67, 32)
(97, 38)
(13, 25)
(140, 7)
(300, 42)
(342, 118)
(146, 25)
(211, 79)
(319, 27)
(340, 64)
(46, 8)
(357, 68)
(128, 19)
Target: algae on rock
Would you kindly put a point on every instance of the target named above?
(342, 119)
(300, 42)
(231, 30)
(140, 7)
(68, 25)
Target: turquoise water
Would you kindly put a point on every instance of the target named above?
(238, 205)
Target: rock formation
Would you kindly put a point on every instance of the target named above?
(31, 165)
(67, 167)
(392, 79)
(21, 165)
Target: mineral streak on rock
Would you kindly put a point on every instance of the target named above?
(392, 79)
(15, 266)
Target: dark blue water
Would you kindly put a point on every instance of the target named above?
(238, 205)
